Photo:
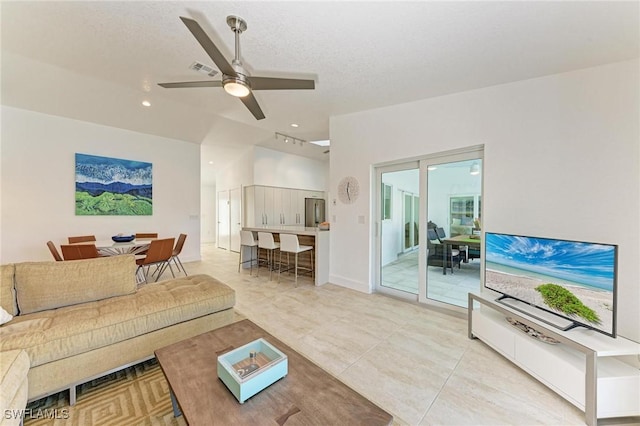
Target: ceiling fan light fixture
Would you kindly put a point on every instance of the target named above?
(236, 87)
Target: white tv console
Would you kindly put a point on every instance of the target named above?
(596, 373)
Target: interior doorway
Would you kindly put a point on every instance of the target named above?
(223, 220)
(229, 219)
(235, 219)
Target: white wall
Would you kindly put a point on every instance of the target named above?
(38, 184)
(208, 214)
(561, 159)
(274, 168)
(238, 173)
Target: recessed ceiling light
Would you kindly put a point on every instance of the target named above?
(146, 103)
(210, 162)
(294, 125)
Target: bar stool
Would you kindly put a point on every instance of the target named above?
(289, 244)
(266, 242)
(247, 240)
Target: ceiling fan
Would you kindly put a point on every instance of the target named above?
(235, 79)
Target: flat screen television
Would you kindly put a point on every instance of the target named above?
(563, 283)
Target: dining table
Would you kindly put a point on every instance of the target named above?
(112, 248)
(473, 241)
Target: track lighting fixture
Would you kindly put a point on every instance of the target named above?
(291, 139)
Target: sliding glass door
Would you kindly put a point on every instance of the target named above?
(453, 234)
(398, 218)
(422, 208)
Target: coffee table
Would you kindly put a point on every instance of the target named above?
(307, 395)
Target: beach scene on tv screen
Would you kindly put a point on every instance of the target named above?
(572, 279)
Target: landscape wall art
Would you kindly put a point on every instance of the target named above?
(113, 186)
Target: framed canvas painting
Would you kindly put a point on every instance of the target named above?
(113, 186)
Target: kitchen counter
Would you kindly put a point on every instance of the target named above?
(318, 238)
(286, 229)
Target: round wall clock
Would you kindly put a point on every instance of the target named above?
(348, 190)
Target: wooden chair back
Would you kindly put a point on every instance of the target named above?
(159, 251)
(178, 248)
(79, 251)
(54, 251)
(82, 239)
(146, 235)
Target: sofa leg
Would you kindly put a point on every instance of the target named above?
(72, 395)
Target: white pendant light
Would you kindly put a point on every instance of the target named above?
(475, 169)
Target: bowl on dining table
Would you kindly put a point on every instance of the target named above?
(123, 238)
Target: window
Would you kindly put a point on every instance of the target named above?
(386, 201)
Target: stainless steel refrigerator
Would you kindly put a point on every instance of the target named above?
(314, 212)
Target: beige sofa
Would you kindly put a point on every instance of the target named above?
(82, 319)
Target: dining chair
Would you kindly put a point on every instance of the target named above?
(176, 251)
(79, 251)
(143, 236)
(82, 239)
(146, 235)
(54, 251)
(158, 255)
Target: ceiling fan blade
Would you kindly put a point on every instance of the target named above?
(269, 83)
(218, 58)
(208, 83)
(252, 104)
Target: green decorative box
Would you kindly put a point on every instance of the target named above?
(246, 376)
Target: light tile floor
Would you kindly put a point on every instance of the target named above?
(417, 363)
(402, 274)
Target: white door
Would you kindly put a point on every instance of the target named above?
(223, 220)
(235, 213)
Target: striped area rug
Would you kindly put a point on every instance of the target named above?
(137, 395)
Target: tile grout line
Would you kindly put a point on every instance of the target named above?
(444, 384)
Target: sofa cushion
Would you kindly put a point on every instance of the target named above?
(14, 366)
(49, 285)
(7, 289)
(55, 334)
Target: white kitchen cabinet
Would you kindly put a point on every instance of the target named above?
(268, 206)
(259, 206)
(282, 206)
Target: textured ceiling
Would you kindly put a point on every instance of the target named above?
(96, 61)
